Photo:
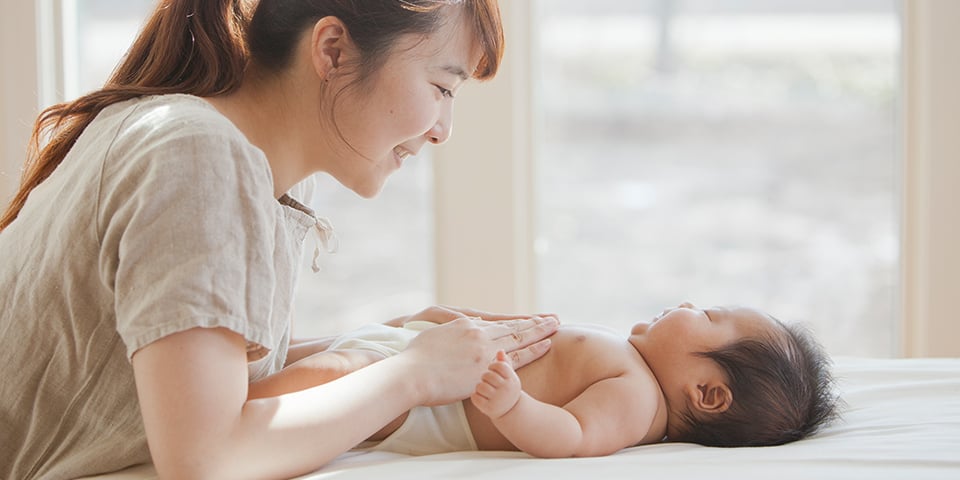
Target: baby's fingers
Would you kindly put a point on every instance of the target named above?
(497, 374)
(501, 366)
(485, 390)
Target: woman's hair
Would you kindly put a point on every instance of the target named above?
(204, 47)
(782, 391)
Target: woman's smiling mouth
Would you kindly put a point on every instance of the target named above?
(400, 154)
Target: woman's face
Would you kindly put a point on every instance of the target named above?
(405, 105)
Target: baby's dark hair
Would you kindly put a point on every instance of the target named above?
(782, 391)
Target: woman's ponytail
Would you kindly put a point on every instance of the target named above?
(195, 47)
(188, 46)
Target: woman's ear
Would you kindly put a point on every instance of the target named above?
(330, 45)
(710, 397)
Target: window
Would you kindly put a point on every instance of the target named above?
(96, 34)
(721, 152)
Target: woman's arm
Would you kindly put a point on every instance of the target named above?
(609, 415)
(199, 422)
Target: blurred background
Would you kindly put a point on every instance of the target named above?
(722, 152)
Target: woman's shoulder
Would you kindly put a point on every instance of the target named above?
(180, 135)
(160, 117)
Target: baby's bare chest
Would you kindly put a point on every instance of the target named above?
(578, 358)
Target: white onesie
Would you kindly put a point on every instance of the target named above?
(427, 430)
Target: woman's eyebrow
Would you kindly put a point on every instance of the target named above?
(456, 70)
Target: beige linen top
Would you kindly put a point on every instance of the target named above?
(162, 218)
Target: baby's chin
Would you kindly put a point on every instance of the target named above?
(640, 328)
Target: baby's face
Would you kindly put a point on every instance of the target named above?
(669, 343)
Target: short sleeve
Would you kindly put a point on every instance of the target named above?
(187, 221)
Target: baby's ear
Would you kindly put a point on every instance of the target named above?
(711, 397)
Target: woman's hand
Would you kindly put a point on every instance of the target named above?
(446, 313)
(499, 388)
(448, 360)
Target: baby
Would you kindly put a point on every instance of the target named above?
(717, 376)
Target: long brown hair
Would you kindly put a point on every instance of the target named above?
(190, 47)
(203, 48)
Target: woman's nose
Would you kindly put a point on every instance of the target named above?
(686, 305)
(439, 133)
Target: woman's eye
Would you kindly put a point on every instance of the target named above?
(445, 92)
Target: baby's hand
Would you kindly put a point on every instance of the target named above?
(498, 390)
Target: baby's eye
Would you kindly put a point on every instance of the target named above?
(445, 92)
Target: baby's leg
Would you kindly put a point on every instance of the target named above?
(389, 429)
(313, 370)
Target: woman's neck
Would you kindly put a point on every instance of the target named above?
(266, 114)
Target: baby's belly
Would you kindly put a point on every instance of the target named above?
(557, 379)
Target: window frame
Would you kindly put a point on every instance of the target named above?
(930, 220)
(19, 102)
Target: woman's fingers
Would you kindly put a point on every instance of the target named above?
(513, 334)
(525, 340)
(523, 356)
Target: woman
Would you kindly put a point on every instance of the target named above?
(150, 254)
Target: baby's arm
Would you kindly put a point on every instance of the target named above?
(313, 370)
(611, 414)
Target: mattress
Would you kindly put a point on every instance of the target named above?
(901, 420)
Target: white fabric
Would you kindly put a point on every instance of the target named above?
(387, 341)
(902, 421)
(427, 430)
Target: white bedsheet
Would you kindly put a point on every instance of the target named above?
(901, 421)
